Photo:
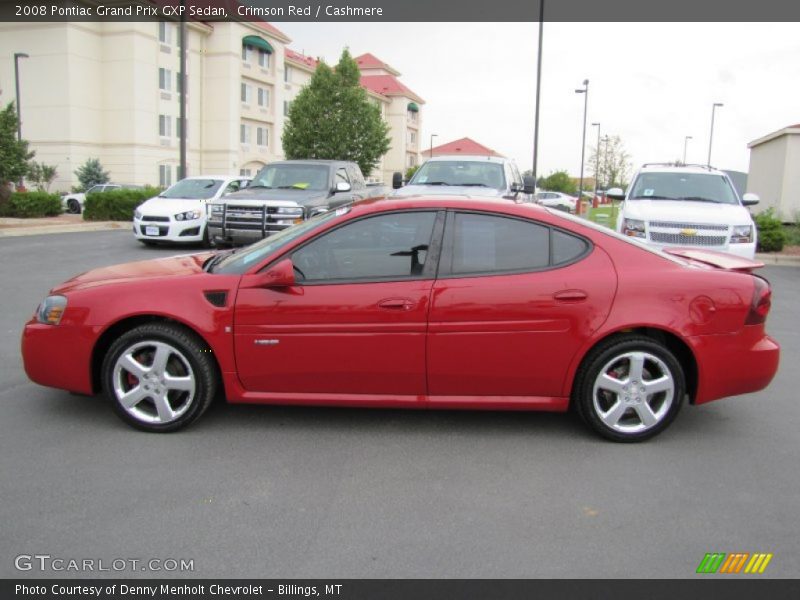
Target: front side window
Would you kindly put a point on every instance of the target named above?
(385, 247)
(341, 176)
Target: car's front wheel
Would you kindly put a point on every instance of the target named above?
(73, 206)
(629, 388)
(159, 377)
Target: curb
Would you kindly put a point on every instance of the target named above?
(75, 228)
(781, 260)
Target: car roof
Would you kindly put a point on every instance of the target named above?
(468, 158)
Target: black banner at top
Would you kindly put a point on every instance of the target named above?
(402, 10)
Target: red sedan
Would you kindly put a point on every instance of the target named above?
(423, 303)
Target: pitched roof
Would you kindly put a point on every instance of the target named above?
(388, 85)
(789, 129)
(302, 59)
(463, 146)
(370, 61)
(270, 28)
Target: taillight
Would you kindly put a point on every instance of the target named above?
(762, 299)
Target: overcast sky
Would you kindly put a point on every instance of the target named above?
(650, 83)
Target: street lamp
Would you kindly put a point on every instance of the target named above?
(597, 159)
(711, 135)
(685, 143)
(17, 56)
(433, 135)
(585, 91)
(538, 92)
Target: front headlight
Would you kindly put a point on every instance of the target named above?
(51, 310)
(217, 209)
(742, 234)
(293, 211)
(633, 228)
(137, 214)
(189, 215)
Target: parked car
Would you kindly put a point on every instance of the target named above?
(687, 205)
(284, 193)
(421, 302)
(557, 200)
(495, 176)
(73, 203)
(178, 214)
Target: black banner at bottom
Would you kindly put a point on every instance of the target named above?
(400, 589)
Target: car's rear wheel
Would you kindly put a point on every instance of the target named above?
(159, 377)
(73, 206)
(629, 388)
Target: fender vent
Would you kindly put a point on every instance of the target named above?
(217, 298)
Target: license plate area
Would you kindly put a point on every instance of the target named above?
(152, 230)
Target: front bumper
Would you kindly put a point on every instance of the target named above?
(58, 356)
(184, 232)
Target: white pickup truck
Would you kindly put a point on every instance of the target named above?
(687, 205)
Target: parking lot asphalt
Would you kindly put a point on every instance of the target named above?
(311, 492)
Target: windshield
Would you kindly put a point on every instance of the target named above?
(193, 189)
(460, 172)
(245, 258)
(699, 187)
(292, 177)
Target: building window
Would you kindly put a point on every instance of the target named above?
(412, 137)
(244, 133)
(164, 126)
(262, 136)
(165, 80)
(285, 108)
(247, 53)
(164, 176)
(247, 94)
(287, 74)
(164, 33)
(412, 160)
(245, 172)
(263, 97)
(412, 115)
(263, 59)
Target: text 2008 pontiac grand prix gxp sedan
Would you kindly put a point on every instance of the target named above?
(419, 302)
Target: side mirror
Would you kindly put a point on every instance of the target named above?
(397, 180)
(529, 184)
(279, 275)
(750, 199)
(342, 186)
(615, 194)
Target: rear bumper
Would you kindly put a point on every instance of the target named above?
(733, 364)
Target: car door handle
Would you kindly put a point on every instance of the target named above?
(396, 304)
(571, 296)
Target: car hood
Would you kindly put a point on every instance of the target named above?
(167, 207)
(173, 266)
(301, 197)
(686, 211)
(445, 190)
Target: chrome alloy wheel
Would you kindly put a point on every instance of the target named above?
(153, 382)
(633, 392)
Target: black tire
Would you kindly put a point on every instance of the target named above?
(660, 368)
(187, 358)
(73, 207)
(206, 243)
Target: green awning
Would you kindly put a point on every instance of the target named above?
(257, 42)
(413, 107)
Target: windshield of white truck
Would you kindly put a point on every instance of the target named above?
(460, 172)
(697, 187)
(292, 177)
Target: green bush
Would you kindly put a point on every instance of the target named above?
(117, 205)
(31, 204)
(771, 235)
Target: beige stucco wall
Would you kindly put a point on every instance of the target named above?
(775, 175)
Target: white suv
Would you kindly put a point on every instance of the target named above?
(687, 205)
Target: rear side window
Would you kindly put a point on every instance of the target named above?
(487, 244)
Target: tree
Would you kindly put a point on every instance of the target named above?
(14, 155)
(332, 118)
(91, 173)
(410, 172)
(557, 181)
(615, 165)
(41, 175)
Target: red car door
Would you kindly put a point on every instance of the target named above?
(514, 301)
(355, 322)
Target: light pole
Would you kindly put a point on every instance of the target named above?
(433, 135)
(17, 56)
(585, 91)
(711, 135)
(685, 143)
(597, 160)
(538, 91)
